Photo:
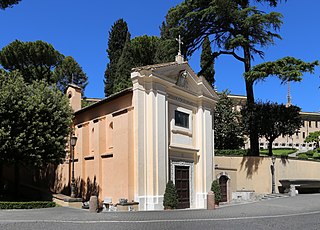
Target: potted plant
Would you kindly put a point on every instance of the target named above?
(170, 199)
(215, 188)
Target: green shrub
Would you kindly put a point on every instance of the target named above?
(27, 205)
(170, 199)
(309, 153)
(230, 152)
(316, 155)
(215, 188)
(318, 150)
(303, 156)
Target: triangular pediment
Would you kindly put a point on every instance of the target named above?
(180, 76)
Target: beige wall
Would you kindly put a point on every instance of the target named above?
(253, 173)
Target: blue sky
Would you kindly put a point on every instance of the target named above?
(80, 29)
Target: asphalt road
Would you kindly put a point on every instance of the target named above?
(300, 212)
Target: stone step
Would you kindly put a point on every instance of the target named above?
(272, 196)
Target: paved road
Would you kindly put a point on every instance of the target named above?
(300, 212)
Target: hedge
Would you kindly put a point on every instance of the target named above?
(230, 152)
(303, 156)
(26, 205)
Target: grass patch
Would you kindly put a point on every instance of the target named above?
(278, 152)
(26, 205)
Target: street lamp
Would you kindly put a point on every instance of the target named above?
(273, 159)
(73, 142)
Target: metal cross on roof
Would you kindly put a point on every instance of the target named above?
(180, 42)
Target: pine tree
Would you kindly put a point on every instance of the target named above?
(206, 61)
(170, 198)
(70, 72)
(236, 28)
(34, 60)
(116, 43)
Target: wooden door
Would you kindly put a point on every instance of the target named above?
(182, 184)
(224, 189)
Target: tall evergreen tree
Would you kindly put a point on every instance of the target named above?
(70, 72)
(122, 78)
(206, 61)
(227, 127)
(167, 48)
(143, 49)
(116, 43)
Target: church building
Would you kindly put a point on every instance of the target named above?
(132, 143)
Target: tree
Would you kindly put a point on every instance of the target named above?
(116, 43)
(8, 3)
(144, 49)
(286, 69)
(313, 137)
(205, 58)
(272, 120)
(122, 78)
(227, 127)
(35, 120)
(69, 72)
(34, 60)
(170, 198)
(167, 48)
(236, 28)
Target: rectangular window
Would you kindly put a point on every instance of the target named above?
(309, 124)
(181, 119)
(303, 135)
(302, 123)
(316, 124)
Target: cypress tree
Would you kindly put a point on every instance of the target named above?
(207, 62)
(227, 127)
(122, 78)
(116, 43)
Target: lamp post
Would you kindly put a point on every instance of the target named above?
(73, 142)
(273, 159)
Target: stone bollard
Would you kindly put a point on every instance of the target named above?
(93, 204)
(210, 201)
(292, 191)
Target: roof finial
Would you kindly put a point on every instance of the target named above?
(180, 43)
(179, 57)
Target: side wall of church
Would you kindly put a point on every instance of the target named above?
(103, 153)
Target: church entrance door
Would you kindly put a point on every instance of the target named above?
(183, 185)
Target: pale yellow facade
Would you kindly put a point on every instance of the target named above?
(130, 144)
